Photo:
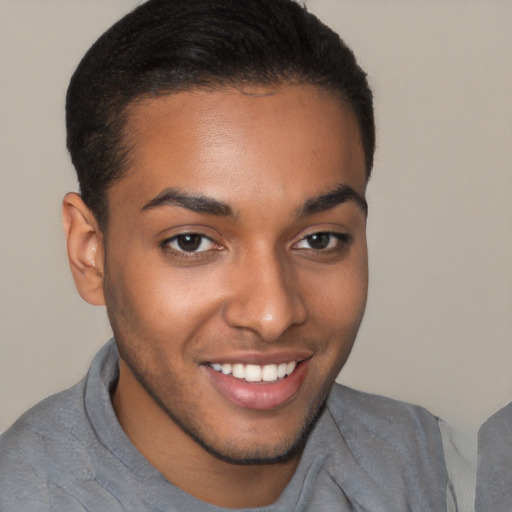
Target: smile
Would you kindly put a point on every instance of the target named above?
(256, 373)
(259, 387)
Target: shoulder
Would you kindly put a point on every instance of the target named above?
(50, 419)
(499, 425)
(495, 446)
(387, 428)
(495, 443)
(494, 467)
(354, 410)
(43, 442)
(393, 451)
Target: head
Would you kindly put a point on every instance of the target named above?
(167, 46)
(223, 150)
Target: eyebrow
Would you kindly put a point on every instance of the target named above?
(196, 203)
(341, 194)
(203, 204)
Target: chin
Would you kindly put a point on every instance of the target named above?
(245, 452)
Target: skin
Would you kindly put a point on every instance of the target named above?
(255, 289)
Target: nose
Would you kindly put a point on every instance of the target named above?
(264, 297)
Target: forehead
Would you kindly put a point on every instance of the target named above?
(242, 143)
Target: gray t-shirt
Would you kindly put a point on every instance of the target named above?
(366, 453)
(494, 469)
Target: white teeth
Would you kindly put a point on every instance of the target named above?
(239, 371)
(256, 373)
(253, 373)
(269, 373)
(290, 367)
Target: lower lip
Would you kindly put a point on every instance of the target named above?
(259, 395)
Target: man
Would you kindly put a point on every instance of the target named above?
(223, 150)
(494, 469)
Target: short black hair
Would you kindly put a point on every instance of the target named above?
(165, 46)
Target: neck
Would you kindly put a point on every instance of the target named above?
(188, 465)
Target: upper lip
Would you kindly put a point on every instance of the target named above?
(260, 358)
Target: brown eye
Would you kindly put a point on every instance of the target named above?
(189, 243)
(323, 241)
(319, 241)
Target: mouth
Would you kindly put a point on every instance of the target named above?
(255, 372)
(258, 387)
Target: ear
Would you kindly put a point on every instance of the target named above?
(85, 249)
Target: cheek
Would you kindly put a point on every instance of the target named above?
(154, 301)
(338, 297)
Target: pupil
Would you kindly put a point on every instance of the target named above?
(319, 240)
(189, 242)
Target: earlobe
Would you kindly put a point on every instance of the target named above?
(85, 248)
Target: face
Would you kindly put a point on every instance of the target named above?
(236, 261)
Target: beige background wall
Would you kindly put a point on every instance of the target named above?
(439, 318)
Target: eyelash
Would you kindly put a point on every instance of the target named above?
(341, 239)
(183, 253)
(198, 239)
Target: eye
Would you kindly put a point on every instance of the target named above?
(324, 241)
(190, 243)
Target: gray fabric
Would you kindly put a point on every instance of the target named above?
(460, 457)
(366, 454)
(494, 468)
